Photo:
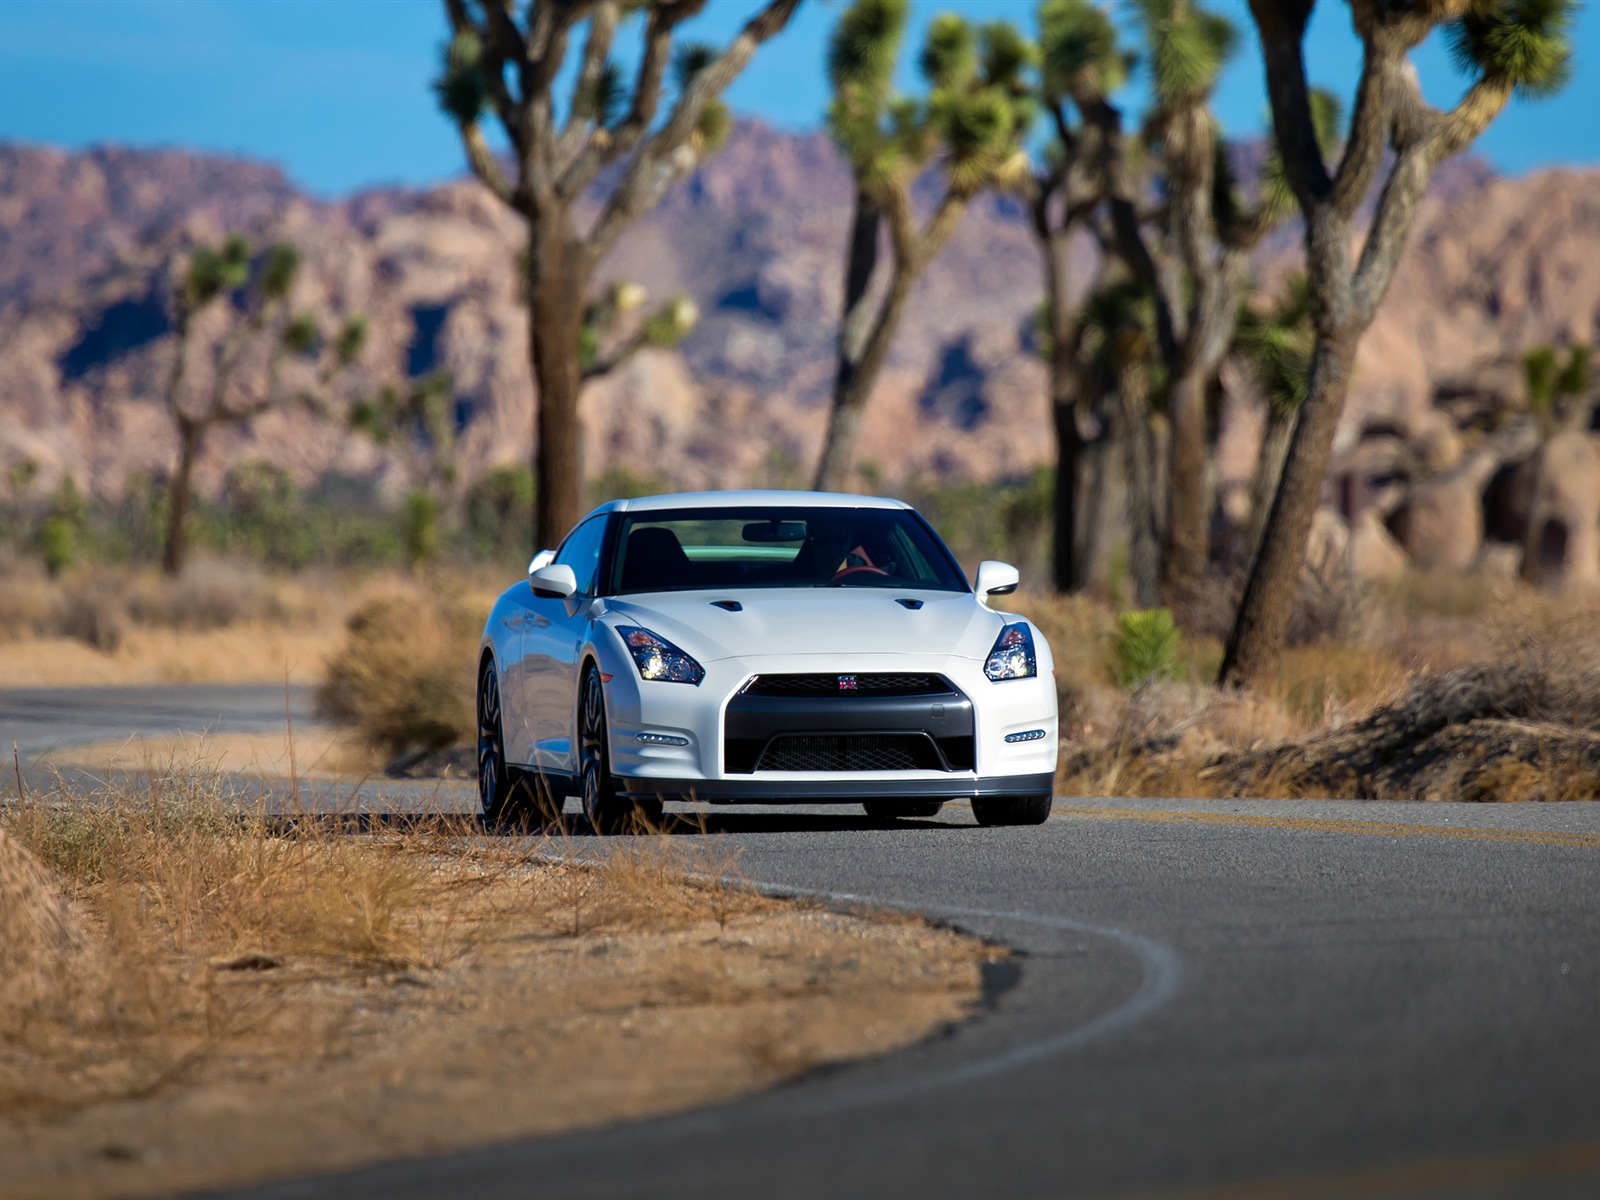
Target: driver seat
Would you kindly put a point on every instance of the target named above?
(654, 559)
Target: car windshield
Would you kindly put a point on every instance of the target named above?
(708, 548)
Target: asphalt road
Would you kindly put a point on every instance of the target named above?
(43, 719)
(1223, 999)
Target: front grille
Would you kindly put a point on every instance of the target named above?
(864, 685)
(851, 752)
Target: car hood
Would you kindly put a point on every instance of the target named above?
(813, 621)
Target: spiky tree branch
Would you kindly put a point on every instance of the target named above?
(505, 61)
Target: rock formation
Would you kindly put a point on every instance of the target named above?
(1495, 265)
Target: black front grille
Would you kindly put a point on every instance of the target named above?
(852, 752)
(847, 686)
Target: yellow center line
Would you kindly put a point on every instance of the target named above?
(1327, 825)
(1408, 1179)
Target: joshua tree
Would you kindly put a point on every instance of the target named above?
(1506, 46)
(1276, 348)
(971, 123)
(1559, 392)
(1080, 66)
(266, 327)
(1195, 252)
(1118, 323)
(614, 329)
(419, 422)
(507, 58)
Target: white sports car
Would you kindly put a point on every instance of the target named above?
(762, 647)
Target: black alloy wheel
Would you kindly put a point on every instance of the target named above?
(494, 779)
(1011, 810)
(904, 809)
(607, 811)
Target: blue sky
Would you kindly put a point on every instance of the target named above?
(336, 91)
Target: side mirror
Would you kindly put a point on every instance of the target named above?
(542, 559)
(996, 579)
(556, 581)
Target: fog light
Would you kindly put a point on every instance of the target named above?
(1032, 735)
(662, 739)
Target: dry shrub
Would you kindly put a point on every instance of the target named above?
(1165, 735)
(1324, 683)
(96, 615)
(1445, 594)
(210, 594)
(404, 680)
(30, 602)
(43, 943)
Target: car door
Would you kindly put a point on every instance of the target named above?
(551, 639)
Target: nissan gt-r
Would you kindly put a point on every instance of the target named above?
(762, 647)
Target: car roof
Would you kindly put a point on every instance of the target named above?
(750, 499)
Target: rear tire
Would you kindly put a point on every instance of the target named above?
(884, 810)
(1011, 810)
(608, 811)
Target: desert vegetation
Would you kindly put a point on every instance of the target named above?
(1174, 326)
(174, 947)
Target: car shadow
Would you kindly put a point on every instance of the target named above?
(681, 824)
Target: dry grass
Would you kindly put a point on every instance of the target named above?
(221, 622)
(309, 751)
(1288, 739)
(192, 995)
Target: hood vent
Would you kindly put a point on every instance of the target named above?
(905, 602)
(728, 605)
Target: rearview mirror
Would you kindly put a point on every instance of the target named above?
(996, 579)
(556, 581)
(775, 531)
(542, 559)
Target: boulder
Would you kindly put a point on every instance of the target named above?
(1372, 552)
(1562, 550)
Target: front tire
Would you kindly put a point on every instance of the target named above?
(608, 811)
(1011, 810)
(498, 793)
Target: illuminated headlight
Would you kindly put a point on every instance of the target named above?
(1012, 656)
(658, 659)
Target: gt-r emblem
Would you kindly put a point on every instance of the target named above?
(847, 683)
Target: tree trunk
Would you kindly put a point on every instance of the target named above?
(1262, 623)
(854, 384)
(1144, 546)
(556, 286)
(190, 435)
(1065, 557)
(1269, 470)
(1189, 513)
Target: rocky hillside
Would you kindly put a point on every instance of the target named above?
(86, 241)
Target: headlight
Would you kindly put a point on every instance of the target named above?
(1012, 656)
(659, 659)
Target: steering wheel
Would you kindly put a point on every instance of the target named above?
(846, 572)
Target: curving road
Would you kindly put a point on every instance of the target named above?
(1231, 999)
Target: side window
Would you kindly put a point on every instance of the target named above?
(581, 552)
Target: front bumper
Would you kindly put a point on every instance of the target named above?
(758, 789)
(673, 739)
